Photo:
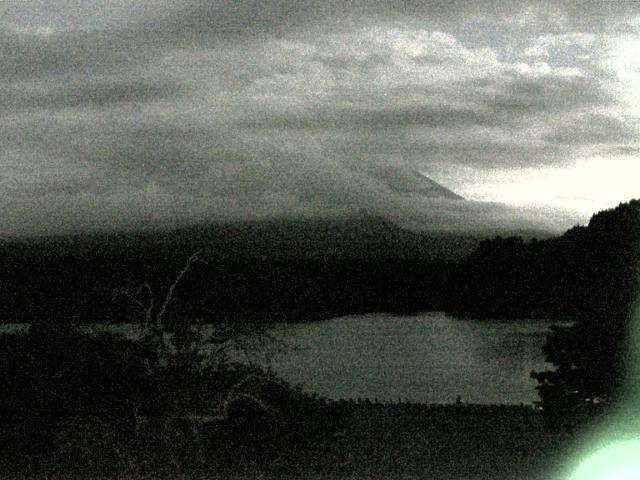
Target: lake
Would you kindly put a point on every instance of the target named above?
(427, 357)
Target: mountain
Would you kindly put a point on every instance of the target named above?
(362, 236)
(407, 181)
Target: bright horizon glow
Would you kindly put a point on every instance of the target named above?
(586, 187)
(626, 64)
(590, 184)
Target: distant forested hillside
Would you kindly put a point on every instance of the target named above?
(280, 270)
(590, 272)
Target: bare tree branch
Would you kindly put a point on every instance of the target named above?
(125, 293)
(149, 310)
(169, 296)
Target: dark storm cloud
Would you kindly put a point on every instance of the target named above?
(129, 155)
(622, 151)
(525, 95)
(491, 155)
(98, 94)
(201, 22)
(374, 118)
(205, 21)
(25, 55)
(193, 23)
(592, 129)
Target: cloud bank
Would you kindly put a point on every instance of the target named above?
(130, 114)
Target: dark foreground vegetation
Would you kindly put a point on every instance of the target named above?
(590, 273)
(87, 403)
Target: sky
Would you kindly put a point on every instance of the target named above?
(119, 113)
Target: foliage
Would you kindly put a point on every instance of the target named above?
(591, 356)
(75, 401)
(89, 400)
(54, 375)
(588, 274)
(589, 378)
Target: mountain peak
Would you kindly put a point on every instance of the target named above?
(407, 181)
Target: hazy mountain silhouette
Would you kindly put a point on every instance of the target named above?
(413, 201)
(408, 181)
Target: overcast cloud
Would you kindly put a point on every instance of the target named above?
(158, 111)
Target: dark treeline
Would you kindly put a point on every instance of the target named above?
(307, 270)
(590, 272)
(264, 271)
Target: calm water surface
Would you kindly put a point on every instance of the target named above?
(427, 357)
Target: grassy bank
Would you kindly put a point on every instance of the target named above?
(345, 440)
(440, 442)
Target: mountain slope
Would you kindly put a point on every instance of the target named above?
(407, 181)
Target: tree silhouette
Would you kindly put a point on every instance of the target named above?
(591, 356)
